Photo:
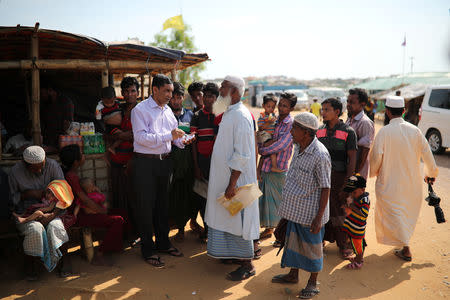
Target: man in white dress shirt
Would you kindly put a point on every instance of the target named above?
(232, 165)
(154, 129)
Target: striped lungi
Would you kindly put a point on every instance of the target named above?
(225, 245)
(271, 186)
(303, 249)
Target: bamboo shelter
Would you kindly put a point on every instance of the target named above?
(78, 66)
(77, 63)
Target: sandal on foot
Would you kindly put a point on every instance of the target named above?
(267, 233)
(172, 251)
(308, 293)
(282, 278)
(354, 265)
(155, 261)
(257, 253)
(276, 244)
(399, 253)
(240, 273)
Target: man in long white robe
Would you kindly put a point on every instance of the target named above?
(233, 164)
(396, 161)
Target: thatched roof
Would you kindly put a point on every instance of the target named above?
(15, 45)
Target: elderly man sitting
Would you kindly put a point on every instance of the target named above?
(28, 181)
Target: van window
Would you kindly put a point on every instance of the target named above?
(440, 98)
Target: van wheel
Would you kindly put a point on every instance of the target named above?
(435, 141)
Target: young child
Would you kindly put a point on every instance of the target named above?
(357, 210)
(266, 128)
(108, 109)
(93, 192)
(57, 197)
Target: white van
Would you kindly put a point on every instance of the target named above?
(260, 96)
(435, 117)
(302, 98)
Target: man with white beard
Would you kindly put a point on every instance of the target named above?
(233, 164)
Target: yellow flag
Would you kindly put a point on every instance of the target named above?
(174, 22)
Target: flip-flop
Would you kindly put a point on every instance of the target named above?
(257, 253)
(308, 293)
(399, 253)
(282, 279)
(265, 234)
(155, 262)
(240, 273)
(276, 244)
(354, 265)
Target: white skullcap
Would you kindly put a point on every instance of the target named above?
(34, 155)
(237, 82)
(308, 120)
(395, 102)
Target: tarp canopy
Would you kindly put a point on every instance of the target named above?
(15, 45)
(382, 84)
(408, 92)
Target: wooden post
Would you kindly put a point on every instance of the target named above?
(35, 89)
(142, 86)
(150, 80)
(173, 74)
(105, 78)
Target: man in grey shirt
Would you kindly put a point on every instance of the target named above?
(28, 181)
(363, 126)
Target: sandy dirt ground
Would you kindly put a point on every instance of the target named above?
(197, 276)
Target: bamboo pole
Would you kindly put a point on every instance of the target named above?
(105, 78)
(142, 86)
(35, 89)
(150, 81)
(85, 64)
(173, 74)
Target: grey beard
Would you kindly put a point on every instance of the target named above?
(221, 104)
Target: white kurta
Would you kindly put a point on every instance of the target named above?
(395, 160)
(234, 148)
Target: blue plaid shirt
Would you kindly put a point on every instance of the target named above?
(309, 172)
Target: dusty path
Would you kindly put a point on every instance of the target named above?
(197, 276)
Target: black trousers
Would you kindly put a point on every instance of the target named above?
(150, 178)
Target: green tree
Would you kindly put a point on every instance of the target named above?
(180, 40)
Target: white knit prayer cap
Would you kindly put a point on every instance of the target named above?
(308, 120)
(237, 82)
(34, 155)
(395, 102)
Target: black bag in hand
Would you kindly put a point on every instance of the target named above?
(434, 200)
(280, 233)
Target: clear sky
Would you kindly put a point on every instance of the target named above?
(305, 39)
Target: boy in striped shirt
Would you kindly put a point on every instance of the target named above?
(356, 210)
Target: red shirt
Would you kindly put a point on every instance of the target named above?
(74, 181)
(124, 152)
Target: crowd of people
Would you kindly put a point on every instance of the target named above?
(169, 163)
